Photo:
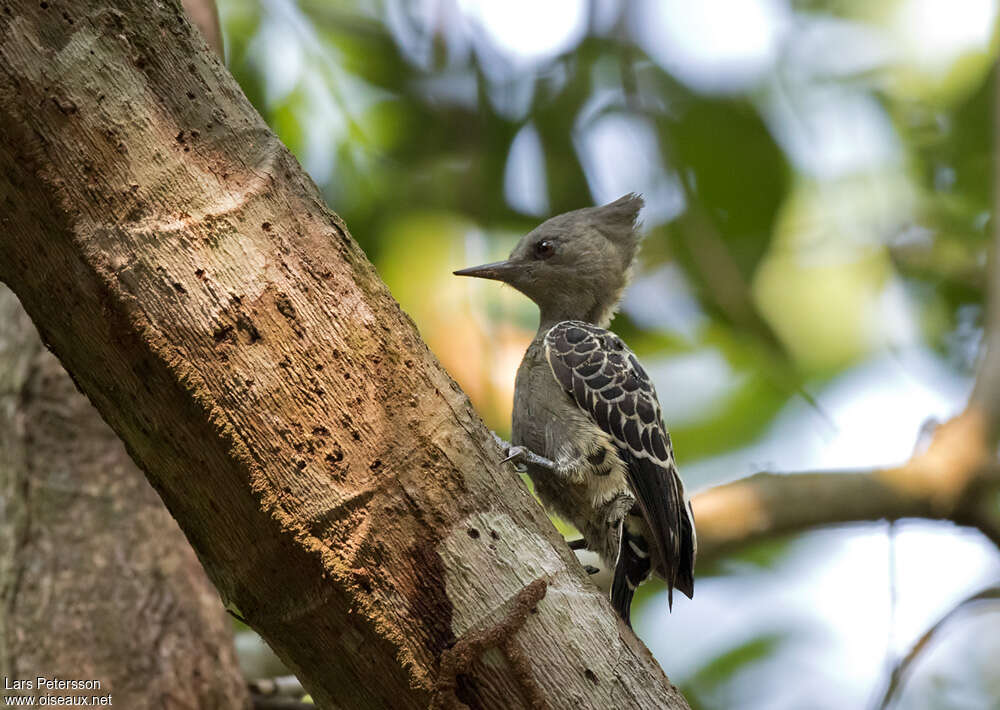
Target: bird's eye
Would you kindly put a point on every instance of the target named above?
(544, 249)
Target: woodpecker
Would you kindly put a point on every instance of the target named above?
(587, 425)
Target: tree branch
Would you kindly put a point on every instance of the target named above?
(336, 484)
(951, 480)
(989, 595)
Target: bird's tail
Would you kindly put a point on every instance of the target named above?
(684, 580)
(631, 570)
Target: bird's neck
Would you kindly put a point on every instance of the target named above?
(582, 307)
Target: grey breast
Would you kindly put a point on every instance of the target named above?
(545, 420)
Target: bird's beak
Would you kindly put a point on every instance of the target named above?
(498, 271)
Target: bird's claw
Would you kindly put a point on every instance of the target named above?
(515, 454)
(520, 456)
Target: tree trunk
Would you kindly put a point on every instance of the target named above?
(335, 483)
(96, 580)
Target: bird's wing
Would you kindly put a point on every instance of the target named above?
(605, 379)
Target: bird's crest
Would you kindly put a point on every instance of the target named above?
(617, 220)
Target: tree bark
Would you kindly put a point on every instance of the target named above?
(96, 580)
(335, 483)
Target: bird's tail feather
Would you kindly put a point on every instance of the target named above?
(632, 569)
(621, 596)
(684, 581)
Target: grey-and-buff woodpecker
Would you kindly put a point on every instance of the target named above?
(586, 420)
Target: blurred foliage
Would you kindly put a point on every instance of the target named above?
(710, 686)
(406, 113)
(818, 177)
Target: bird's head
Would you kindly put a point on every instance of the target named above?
(575, 266)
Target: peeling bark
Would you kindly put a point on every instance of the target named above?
(334, 481)
(96, 580)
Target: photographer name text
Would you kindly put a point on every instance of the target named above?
(43, 683)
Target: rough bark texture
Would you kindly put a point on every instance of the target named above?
(96, 580)
(336, 484)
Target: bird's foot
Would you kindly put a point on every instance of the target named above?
(520, 456)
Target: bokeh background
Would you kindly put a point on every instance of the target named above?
(818, 177)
